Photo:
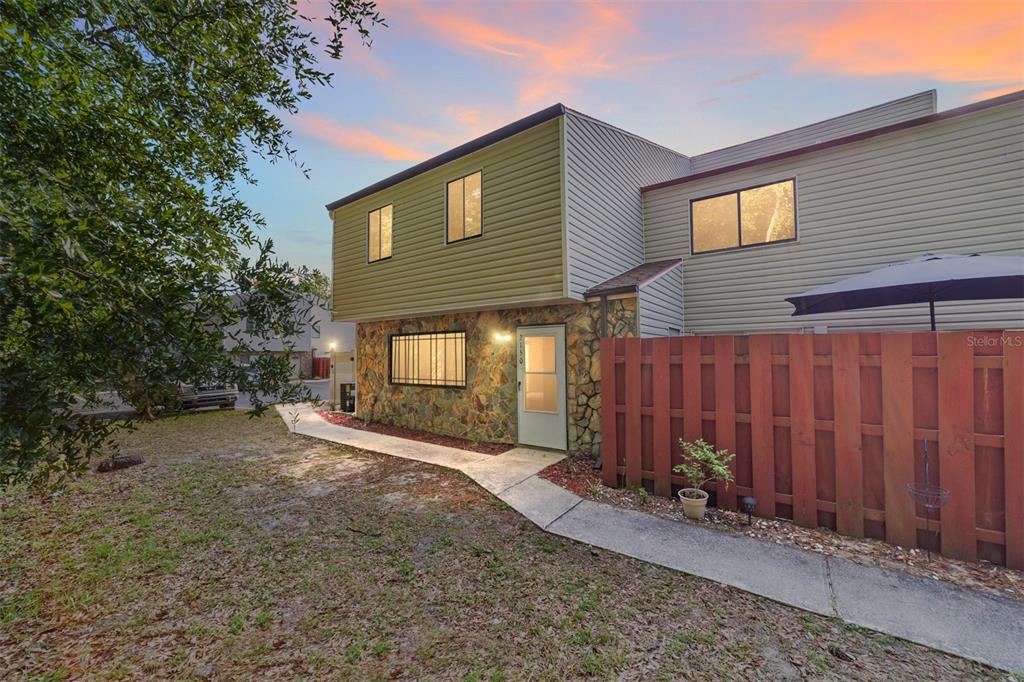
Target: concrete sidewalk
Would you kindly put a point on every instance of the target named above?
(933, 613)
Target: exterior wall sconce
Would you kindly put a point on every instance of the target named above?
(503, 337)
(332, 345)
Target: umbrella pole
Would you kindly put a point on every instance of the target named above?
(931, 310)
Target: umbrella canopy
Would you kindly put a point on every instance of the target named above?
(925, 279)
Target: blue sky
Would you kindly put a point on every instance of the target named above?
(693, 76)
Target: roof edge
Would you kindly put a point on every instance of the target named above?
(476, 144)
(663, 266)
(855, 137)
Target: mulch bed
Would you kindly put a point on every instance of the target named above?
(352, 422)
(579, 476)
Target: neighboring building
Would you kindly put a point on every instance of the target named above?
(316, 338)
(481, 280)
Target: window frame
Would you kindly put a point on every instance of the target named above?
(370, 261)
(445, 191)
(739, 218)
(465, 363)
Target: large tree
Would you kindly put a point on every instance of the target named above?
(125, 252)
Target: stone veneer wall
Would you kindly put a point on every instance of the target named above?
(486, 409)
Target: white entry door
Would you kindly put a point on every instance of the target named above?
(541, 373)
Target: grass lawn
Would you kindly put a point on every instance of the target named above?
(240, 551)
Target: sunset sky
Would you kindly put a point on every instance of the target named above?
(693, 76)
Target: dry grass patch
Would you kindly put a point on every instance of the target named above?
(240, 551)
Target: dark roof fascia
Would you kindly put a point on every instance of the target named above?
(462, 150)
(856, 137)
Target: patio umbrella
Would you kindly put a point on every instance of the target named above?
(925, 279)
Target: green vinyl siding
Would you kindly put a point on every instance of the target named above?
(517, 260)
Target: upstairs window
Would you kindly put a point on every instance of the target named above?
(378, 234)
(748, 217)
(432, 359)
(464, 208)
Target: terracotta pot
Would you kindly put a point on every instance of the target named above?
(693, 507)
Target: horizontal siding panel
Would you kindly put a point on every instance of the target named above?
(950, 186)
(518, 260)
(661, 304)
(605, 168)
(879, 116)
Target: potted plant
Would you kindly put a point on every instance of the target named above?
(702, 463)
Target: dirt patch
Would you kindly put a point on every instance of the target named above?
(579, 476)
(345, 419)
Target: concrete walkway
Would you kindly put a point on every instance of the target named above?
(933, 613)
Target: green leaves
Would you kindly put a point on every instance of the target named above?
(125, 253)
(702, 463)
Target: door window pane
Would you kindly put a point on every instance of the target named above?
(540, 353)
(767, 213)
(540, 393)
(715, 223)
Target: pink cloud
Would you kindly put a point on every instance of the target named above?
(550, 54)
(736, 80)
(355, 139)
(964, 42)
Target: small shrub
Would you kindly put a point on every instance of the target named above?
(702, 463)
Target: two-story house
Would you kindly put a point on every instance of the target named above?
(481, 280)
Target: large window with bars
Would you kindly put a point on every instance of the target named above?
(433, 359)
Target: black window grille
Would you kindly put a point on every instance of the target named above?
(432, 359)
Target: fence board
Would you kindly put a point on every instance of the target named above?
(609, 437)
(691, 388)
(909, 387)
(898, 439)
(849, 465)
(725, 411)
(634, 437)
(956, 445)
(1013, 447)
(662, 398)
(801, 429)
(762, 428)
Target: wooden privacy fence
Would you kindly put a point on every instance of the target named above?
(321, 368)
(829, 429)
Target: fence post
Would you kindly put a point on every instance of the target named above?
(762, 424)
(898, 439)
(609, 437)
(848, 452)
(660, 376)
(634, 436)
(725, 412)
(1013, 448)
(956, 445)
(801, 430)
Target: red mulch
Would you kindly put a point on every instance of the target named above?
(352, 422)
(576, 474)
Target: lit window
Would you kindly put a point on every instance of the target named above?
(434, 359)
(378, 234)
(464, 208)
(749, 217)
